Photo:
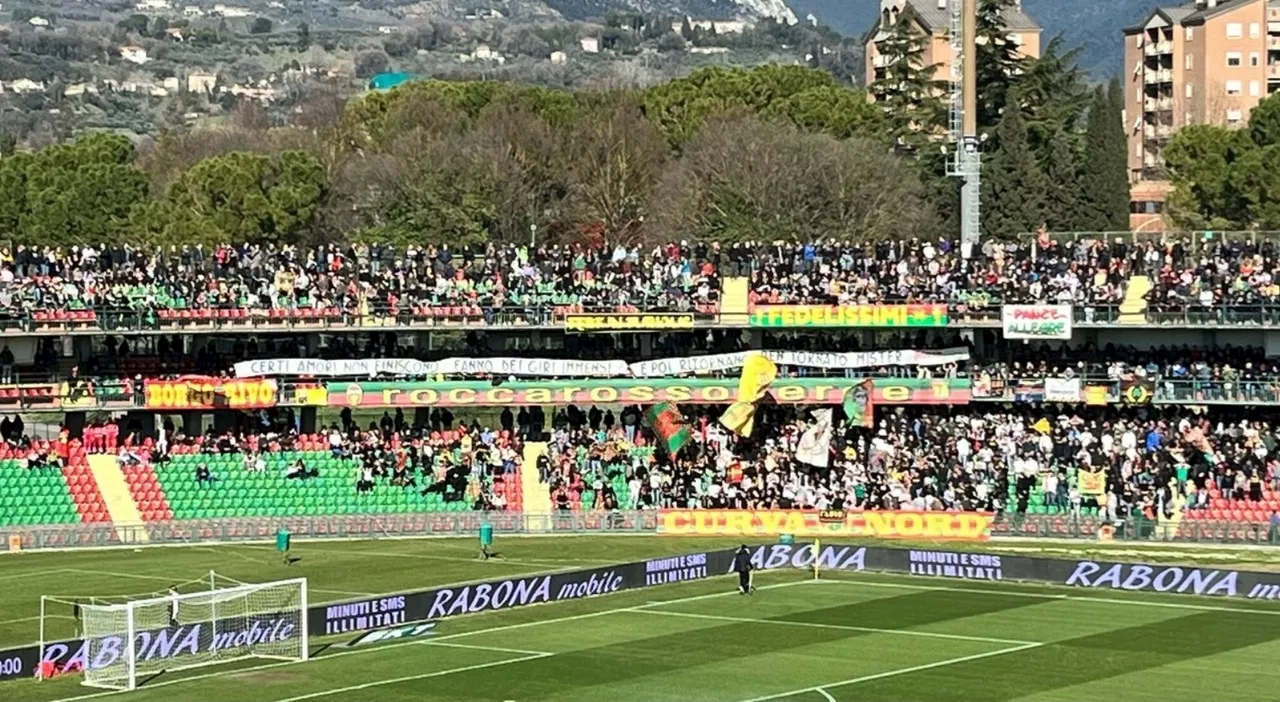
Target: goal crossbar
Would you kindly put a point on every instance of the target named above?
(121, 642)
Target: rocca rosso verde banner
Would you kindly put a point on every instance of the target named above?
(928, 315)
(799, 391)
(965, 526)
(196, 393)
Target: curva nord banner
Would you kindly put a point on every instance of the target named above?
(972, 526)
(790, 391)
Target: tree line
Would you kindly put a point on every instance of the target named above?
(1226, 178)
(722, 154)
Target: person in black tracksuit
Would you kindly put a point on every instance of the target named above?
(742, 566)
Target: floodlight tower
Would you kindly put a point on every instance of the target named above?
(966, 161)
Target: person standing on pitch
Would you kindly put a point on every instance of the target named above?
(742, 566)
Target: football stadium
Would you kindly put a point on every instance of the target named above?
(290, 411)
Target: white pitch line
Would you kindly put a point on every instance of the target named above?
(409, 678)
(32, 574)
(344, 592)
(566, 563)
(1046, 596)
(134, 576)
(819, 625)
(825, 695)
(499, 649)
(822, 689)
(386, 647)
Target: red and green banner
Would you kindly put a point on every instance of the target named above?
(668, 423)
(634, 391)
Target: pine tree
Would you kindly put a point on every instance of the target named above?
(1105, 175)
(1013, 186)
(998, 64)
(908, 92)
(1061, 168)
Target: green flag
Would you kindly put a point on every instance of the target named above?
(668, 423)
(857, 404)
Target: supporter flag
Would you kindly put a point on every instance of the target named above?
(758, 373)
(1093, 483)
(668, 423)
(857, 404)
(1137, 391)
(814, 447)
(1042, 426)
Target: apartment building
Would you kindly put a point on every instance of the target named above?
(1206, 62)
(934, 20)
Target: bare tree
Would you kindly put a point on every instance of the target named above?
(743, 179)
(614, 157)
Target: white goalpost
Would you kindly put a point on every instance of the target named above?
(131, 639)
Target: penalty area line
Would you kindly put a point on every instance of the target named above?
(824, 688)
(411, 678)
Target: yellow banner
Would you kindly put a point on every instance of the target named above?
(627, 322)
(1095, 395)
(758, 373)
(967, 526)
(1093, 483)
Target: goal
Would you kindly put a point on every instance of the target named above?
(125, 642)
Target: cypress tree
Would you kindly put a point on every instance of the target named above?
(998, 64)
(1105, 174)
(908, 92)
(1013, 187)
(1062, 176)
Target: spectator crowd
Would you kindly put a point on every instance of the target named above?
(1202, 276)
(1012, 461)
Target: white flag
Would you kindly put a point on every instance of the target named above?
(815, 443)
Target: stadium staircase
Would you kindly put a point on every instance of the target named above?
(117, 496)
(537, 498)
(1133, 309)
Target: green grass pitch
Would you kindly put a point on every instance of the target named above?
(840, 637)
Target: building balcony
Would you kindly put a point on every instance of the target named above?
(1273, 42)
(1164, 75)
(1163, 104)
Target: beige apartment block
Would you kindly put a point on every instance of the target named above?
(934, 20)
(1206, 62)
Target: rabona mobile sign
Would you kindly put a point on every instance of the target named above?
(519, 592)
(173, 642)
(1178, 579)
(443, 602)
(846, 558)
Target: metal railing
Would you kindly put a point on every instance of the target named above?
(1084, 527)
(976, 310)
(1137, 529)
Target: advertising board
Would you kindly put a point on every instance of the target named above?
(400, 616)
(709, 391)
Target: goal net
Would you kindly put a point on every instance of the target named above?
(176, 631)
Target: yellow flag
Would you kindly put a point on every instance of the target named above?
(758, 373)
(1042, 426)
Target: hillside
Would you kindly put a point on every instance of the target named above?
(1093, 24)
